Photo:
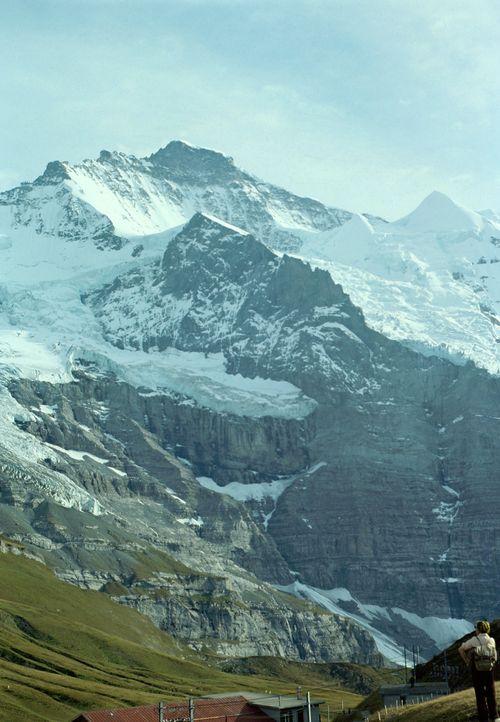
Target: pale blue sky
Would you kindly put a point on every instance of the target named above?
(364, 104)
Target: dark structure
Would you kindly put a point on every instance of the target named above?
(241, 706)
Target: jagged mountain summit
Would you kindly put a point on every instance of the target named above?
(171, 383)
(428, 280)
(119, 196)
(218, 289)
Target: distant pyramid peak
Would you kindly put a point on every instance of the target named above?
(438, 212)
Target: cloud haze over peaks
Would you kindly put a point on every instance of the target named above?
(366, 105)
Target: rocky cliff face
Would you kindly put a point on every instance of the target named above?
(236, 620)
(151, 536)
(388, 512)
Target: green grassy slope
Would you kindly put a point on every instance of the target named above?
(317, 677)
(63, 649)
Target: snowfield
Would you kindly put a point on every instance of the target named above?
(442, 631)
(430, 280)
(45, 329)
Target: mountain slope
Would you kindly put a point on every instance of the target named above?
(384, 415)
(193, 392)
(63, 650)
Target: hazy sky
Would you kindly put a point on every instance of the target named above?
(364, 104)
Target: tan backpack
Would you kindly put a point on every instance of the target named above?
(483, 657)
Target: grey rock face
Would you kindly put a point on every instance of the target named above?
(389, 515)
(239, 622)
(159, 524)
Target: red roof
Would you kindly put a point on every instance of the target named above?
(222, 709)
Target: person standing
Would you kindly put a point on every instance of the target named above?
(479, 652)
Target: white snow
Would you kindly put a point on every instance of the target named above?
(431, 280)
(174, 495)
(443, 631)
(134, 203)
(220, 222)
(450, 490)
(328, 599)
(191, 521)
(258, 491)
(248, 492)
(348, 242)
(438, 213)
(446, 511)
(78, 455)
(203, 378)
(117, 471)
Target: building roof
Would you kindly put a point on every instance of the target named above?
(223, 708)
(145, 713)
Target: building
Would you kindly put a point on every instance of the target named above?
(399, 694)
(227, 707)
(281, 707)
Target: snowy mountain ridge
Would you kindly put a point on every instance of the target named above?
(429, 279)
(121, 195)
(165, 289)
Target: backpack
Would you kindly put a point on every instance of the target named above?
(483, 657)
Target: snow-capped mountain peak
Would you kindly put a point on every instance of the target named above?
(132, 197)
(438, 213)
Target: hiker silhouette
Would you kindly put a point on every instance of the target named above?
(480, 654)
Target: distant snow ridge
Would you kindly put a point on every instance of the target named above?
(442, 631)
(430, 280)
(438, 213)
